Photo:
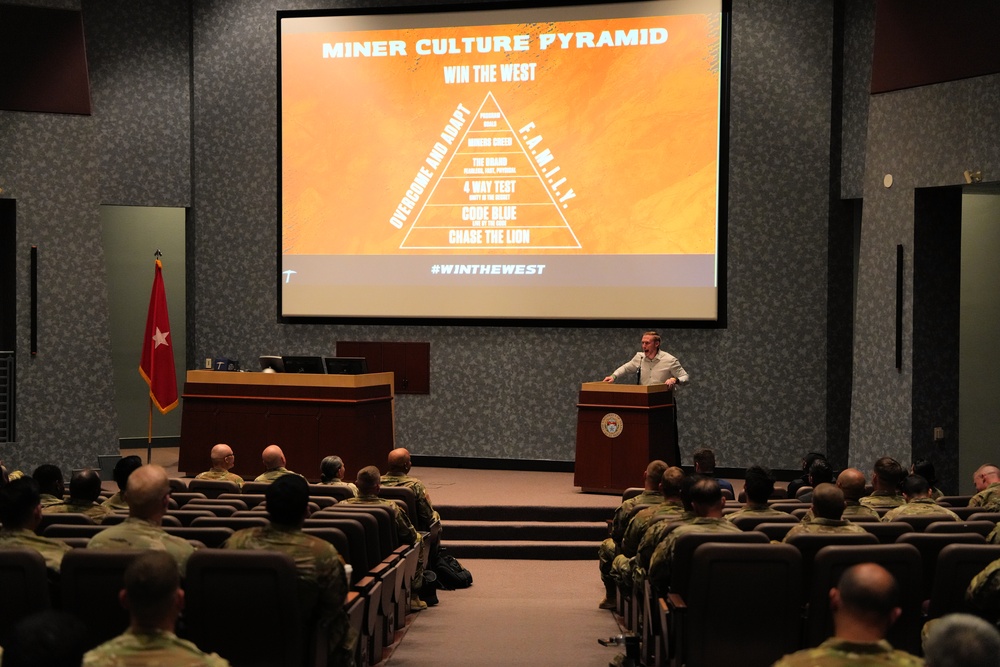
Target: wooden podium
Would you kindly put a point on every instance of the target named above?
(308, 416)
(620, 428)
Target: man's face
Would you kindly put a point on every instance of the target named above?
(230, 460)
(981, 478)
(650, 346)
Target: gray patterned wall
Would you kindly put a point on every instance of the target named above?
(759, 386)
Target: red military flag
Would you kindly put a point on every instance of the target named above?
(157, 364)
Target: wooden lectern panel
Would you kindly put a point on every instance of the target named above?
(620, 429)
(308, 416)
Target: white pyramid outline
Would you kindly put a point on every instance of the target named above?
(534, 167)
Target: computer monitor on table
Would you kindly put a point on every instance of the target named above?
(303, 364)
(270, 363)
(346, 365)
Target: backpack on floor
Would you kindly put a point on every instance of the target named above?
(451, 574)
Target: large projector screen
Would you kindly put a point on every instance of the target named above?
(550, 163)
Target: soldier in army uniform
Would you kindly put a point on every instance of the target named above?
(148, 493)
(274, 464)
(369, 482)
(123, 469)
(611, 546)
(827, 509)
(84, 490)
(886, 478)
(864, 605)
(917, 492)
(154, 599)
(317, 560)
(987, 480)
(758, 485)
(50, 484)
(20, 512)
(983, 594)
(852, 482)
(706, 502)
(399, 475)
(223, 461)
(332, 471)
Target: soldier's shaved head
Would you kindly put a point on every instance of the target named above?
(273, 457)
(852, 482)
(399, 460)
(828, 501)
(147, 491)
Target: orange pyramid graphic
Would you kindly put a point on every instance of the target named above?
(492, 195)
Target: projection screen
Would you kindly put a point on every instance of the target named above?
(549, 163)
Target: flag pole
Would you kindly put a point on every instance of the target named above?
(149, 433)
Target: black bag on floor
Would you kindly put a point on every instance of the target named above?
(451, 574)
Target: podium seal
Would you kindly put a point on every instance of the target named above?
(611, 425)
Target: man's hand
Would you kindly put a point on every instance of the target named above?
(610, 378)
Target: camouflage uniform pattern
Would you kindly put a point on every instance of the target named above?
(425, 511)
(318, 563)
(652, 538)
(273, 474)
(350, 485)
(116, 502)
(218, 474)
(994, 536)
(983, 593)
(755, 509)
(663, 555)
(920, 507)
(821, 525)
(52, 550)
(623, 567)
(48, 500)
(842, 653)
(95, 511)
(988, 498)
(155, 649)
(136, 533)
(883, 499)
(404, 530)
(853, 508)
(611, 546)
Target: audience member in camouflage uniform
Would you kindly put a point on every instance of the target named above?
(274, 464)
(123, 469)
(758, 485)
(994, 536)
(50, 484)
(983, 594)
(671, 509)
(827, 508)
(369, 482)
(820, 472)
(317, 560)
(398, 475)
(706, 502)
(223, 461)
(154, 600)
(47, 638)
(886, 478)
(864, 605)
(148, 493)
(962, 640)
(332, 471)
(20, 512)
(987, 480)
(917, 492)
(852, 482)
(611, 546)
(84, 490)
(925, 469)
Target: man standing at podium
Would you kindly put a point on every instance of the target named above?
(652, 365)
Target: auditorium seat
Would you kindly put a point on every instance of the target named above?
(256, 487)
(631, 492)
(235, 503)
(388, 539)
(887, 532)
(212, 537)
(362, 552)
(251, 500)
(236, 523)
(355, 607)
(25, 586)
(809, 544)
(985, 516)
(371, 589)
(119, 517)
(89, 583)
(902, 560)
(957, 564)
(954, 501)
(983, 528)
(335, 537)
(966, 513)
(802, 490)
(930, 545)
(186, 516)
(919, 522)
(178, 484)
(239, 601)
(333, 491)
(775, 532)
(61, 531)
(75, 542)
(213, 488)
(405, 494)
(213, 509)
(750, 521)
(62, 518)
(708, 629)
(182, 498)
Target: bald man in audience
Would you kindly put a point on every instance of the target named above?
(611, 547)
(399, 475)
(987, 481)
(148, 494)
(828, 510)
(274, 464)
(852, 482)
(154, 599)
(917, 492)
(84, 490)
(887, 475)
(864, 604)
(962, 640)
(223, 461)
(20, 513)
(706, 503)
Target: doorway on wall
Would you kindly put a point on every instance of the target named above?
(131, 236)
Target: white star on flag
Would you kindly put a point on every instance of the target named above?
(160, 338)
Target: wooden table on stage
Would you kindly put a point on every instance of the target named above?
(308, 416)
(620, 428)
